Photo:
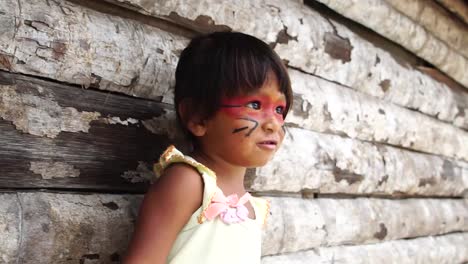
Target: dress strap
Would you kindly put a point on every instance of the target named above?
(171, 156)
(262, 207)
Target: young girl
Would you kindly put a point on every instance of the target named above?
(232, 94)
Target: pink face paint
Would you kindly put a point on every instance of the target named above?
(243, 106)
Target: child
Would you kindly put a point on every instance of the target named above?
(232, 94)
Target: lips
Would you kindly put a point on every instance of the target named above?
(268, 144)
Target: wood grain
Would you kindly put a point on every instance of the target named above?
(96, 159)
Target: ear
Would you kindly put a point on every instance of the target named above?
(197, 128)
(192, 121)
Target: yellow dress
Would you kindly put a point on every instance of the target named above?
(213, 241)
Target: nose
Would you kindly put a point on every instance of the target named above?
(272, 124)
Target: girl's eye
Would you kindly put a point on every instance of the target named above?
(279, 110)
(254, 105)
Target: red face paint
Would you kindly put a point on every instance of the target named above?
(258, 107)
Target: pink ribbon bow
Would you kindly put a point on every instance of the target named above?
(230, 209)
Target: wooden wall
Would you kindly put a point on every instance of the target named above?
(374, 168)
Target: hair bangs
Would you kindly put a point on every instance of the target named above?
(244, 72)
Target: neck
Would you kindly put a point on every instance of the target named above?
(229, 177)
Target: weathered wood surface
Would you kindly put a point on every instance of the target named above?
(320, 46)
(69, 43)
(437, 21)
(382, 18)
(301, 224)
(446, 249)
(458, 7)
(10, 228)
(327, 107)
(65, 228)
(320, 163)
(59, 136)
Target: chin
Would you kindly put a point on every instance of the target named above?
(258, 163)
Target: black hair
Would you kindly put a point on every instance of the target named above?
(225, 64)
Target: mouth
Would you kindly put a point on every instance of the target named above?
(268, 144)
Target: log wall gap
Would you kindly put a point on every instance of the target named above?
(348, 196)
(386, 196)
(42, 79)
(80, 191)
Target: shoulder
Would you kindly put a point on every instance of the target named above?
(166, 208)
(179, 179)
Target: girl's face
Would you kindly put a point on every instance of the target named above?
(248, 130)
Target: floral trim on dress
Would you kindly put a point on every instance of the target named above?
(230, 209)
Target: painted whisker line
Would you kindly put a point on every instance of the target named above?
(239, 129)
(253, 128)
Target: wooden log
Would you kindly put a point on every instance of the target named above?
(320, 163)
(314, 44)
(445, 249)
(59, 136)
(69, 43)
(382, 18)
(298, 224)
(69, 228)
(437, 21)
(326, 107)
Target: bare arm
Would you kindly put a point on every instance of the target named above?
(166, 208)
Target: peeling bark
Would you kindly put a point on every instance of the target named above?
(337, 47)
(49, 170)
(41, 116)
(143, 173)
